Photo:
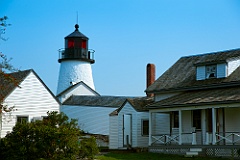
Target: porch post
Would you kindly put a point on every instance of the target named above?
(214, 126)
(180, 127)
(150, 129)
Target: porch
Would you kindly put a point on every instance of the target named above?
(222, 138)
(196, 125)
(214, 130)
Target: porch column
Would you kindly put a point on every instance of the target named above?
(150, 129)
(214, 126)
(180, 127)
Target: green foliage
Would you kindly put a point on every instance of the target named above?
(53, 138)
(88, 148)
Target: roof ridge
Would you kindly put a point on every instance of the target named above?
(210, 53)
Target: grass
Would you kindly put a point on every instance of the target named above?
(149, 156)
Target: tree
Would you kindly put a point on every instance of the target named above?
(55, 137)
(5, 66)
(3, 25)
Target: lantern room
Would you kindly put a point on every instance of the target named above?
(76, 48)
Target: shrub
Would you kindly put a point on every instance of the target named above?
(88, 148)
(55, 137)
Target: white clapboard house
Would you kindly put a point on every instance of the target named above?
(30, 97)
(201, 96)
(129, 124)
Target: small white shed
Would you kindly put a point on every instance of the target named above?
(129, 124)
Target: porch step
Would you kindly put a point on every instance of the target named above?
(193, 152)
(195, 149)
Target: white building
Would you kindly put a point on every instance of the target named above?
(30, 97)
(201, 96)
(129, 124)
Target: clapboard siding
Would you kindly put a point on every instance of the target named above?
(164, 120)
(232, 65)
(116, 128)
(97, 125)
(142, 139)
(232, 119)
(78, 89)
(113, 132)
(201, 74)
(31, 99)
(221, 70)
(187, 127)
(187, 122)
(127, 109)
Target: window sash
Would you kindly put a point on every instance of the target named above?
(22, 119)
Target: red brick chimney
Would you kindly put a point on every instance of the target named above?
(150, 76)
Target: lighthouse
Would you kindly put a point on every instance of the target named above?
(75, 62)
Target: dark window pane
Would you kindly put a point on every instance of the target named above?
(145, 127)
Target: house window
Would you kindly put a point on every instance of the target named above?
(197, 119)
(175, 119)
(211, 71)
(145, 127)
(22, 119)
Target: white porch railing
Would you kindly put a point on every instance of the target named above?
(168, 139)
(228, 137)
(164, 138)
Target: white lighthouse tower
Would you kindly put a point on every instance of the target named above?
(75, 62)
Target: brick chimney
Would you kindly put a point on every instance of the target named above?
(150, 76)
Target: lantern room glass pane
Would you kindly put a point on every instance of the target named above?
(70, 43)
(84, 44)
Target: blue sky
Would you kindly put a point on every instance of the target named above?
(126, 35)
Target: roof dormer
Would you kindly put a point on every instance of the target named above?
(209, 71)
(219, 69)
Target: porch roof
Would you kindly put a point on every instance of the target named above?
(199, 98)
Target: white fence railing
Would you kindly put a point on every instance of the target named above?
(228, 137)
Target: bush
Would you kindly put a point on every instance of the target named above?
(53, 138)
(88, 148)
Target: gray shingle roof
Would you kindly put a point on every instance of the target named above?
(137, 103)
(201, 97)
(182, 75)
(140, 103)
(101, 101)
(8, 82)
(8, 85)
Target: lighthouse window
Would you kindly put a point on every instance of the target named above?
(70, 43)
(84, 44)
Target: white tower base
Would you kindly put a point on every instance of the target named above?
(72, 72)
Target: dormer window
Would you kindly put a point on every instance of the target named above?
(211, 71)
